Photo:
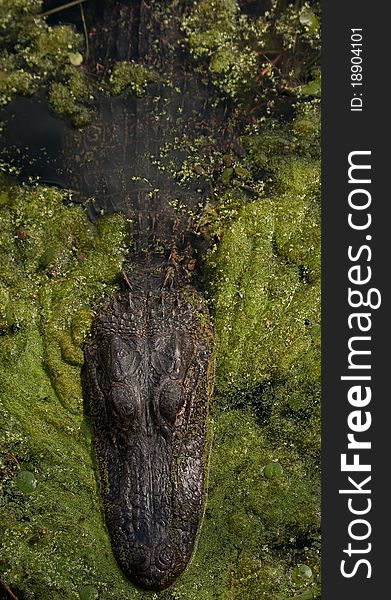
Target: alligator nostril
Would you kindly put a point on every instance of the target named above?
(164, 557)
(141, 558)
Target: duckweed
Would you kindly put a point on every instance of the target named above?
(88, 592)
(75, 58)
(301, 574)
(227, 175)
(132, 76)
(309, 19)
(26, 482)
(273, 470)
(249, 54)
(35, 55)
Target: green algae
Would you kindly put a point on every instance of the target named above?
(260, 302)
(271, 50)
(265, 273)
(35, 55)
(130, 76)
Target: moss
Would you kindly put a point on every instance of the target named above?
(34, 55)
(68, 98)
(265, 54)
(131, 76)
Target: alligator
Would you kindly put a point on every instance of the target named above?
(149, 360)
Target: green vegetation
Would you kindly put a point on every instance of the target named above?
(34, 55)
(131, 76)
(265, 272)
(276, 51)
(67, 98)
(264, 278)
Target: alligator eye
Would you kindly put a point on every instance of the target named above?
(117, 359)
(125, 358)
(170, 354)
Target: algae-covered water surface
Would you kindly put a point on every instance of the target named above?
(260, 536)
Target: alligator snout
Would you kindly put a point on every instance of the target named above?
(152, 564)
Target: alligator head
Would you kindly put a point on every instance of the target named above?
(148, 377)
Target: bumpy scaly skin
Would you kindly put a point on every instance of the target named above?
(148, 377)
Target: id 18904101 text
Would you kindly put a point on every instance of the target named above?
(356, 70)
